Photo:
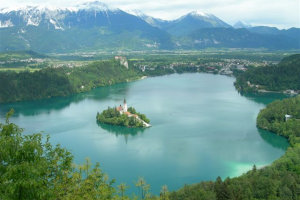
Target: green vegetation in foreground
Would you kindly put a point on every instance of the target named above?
(279, 181)
(62, 81)
(31, 168)
(281, 77)
(114, 117)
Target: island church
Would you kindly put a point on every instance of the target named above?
(123, 110)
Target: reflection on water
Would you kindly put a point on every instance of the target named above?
(32, 108)
(273, 139)
(121, 131)
(265, 98)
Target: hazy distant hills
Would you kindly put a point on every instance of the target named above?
(236, 38)
(95, 26)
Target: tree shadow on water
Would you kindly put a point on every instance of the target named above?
(264, 98)
(121, 131)
(46, 106)
(273, 139)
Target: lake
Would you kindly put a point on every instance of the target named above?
(202, 128)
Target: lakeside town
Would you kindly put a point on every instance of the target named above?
(223, 66)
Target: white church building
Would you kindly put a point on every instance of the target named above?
(123, 109)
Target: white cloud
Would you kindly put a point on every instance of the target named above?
(280, 13)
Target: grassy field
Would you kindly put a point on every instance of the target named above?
(20, 69)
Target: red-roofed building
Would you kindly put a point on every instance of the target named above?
(120, 108)
(123, 110)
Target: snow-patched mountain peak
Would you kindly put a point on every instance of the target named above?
(94, 6)
(14, 9)
(6, 24)
(136, 12)
(241, 24)
(33, 16)
(47, 15)
(198, 13)
(156, 22)
(31, 8)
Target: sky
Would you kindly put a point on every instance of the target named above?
(277, 13)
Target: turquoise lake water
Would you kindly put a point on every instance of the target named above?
(201, 128)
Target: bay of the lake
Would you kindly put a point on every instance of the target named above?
(202, 128)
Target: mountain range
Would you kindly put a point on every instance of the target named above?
(95, 26)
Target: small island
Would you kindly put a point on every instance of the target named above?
(123, 116)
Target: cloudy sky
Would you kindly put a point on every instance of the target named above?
(279, 13)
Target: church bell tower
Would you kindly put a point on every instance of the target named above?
(125, 106)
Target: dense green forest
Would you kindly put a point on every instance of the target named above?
(112, 116)
(273, 118)
(279, 181)
(62, 81)
(284, 76)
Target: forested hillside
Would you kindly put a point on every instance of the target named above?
(62, 81)
(273, 118)
(284, 76)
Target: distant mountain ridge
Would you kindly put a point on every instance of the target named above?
(236, 38)
(95, 26)
(241, 24)
(87, 26)
(160, 23)
(193, 21)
